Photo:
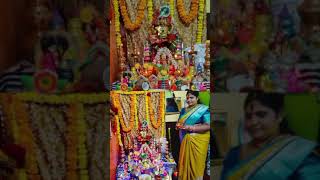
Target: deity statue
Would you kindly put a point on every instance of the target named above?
(162, 28)
(164, 60)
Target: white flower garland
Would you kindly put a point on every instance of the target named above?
(95, 136)
(50, 137)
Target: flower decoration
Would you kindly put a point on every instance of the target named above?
(117, 22)
(128, 24)
(200, 21)
(150, 10)
(172, 8)
(156, 123)
(46, 81)
(188, 18)
(117, 103)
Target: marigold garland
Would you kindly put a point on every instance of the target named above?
(117, 22)
(158, 123)
(185, 17)
(27, 140)
(128, 24)
(9, 114)
(118, 131)
(200, 21)
(64, 99)
(117, 103)
(147, 108)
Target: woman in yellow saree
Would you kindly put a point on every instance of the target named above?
(194, 131)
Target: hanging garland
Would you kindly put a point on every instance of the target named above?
(117, 103)
(117, 22)
(156, 123)
(71, 138)
(118, 131)
(185, 17)
(200, 21)
(172, 8)
(82, 149)
(128, 24)
(150, 10)
(64, 99)
(27, 139)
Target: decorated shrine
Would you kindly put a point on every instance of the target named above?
(267, 45)
(139, 125)
(163, 57)
(70, 48)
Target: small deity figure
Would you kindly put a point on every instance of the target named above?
(162, 28)
(164, 60)
(144, 134)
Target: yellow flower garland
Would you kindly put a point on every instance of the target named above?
(200, 21)
(150, 10)
(147, 108)
(116, 100)
(118, 131)
(128, 24)
(117, 22)
(185, 17)
(158, 123)
(64, 99)
(172, 8)
(9, 114)
(27, 140)
(133, 95)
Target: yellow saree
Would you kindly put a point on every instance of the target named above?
(194, 146)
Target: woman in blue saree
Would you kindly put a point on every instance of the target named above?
(273, 153)
(194, 131)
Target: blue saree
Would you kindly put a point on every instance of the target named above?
(287, 158)
(198, 115)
